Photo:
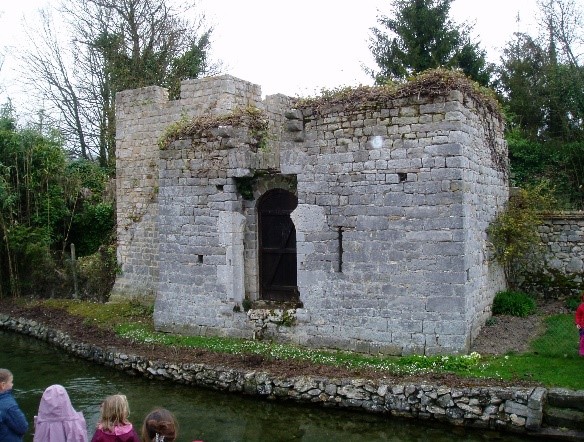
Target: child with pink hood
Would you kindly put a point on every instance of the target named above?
(57, 420)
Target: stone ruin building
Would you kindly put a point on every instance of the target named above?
(352, 221)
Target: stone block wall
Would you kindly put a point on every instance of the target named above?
(485, 191)
(555, 267)
(142, 117)
(412, 187)
(393, 201)
(137, 123)
(562, 234)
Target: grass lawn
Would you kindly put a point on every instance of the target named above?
(552, 360)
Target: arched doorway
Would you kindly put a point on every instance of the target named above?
(277, 246)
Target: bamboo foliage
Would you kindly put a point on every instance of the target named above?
(47, 203)
(32, 205)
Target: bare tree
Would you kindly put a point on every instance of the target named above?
(113, 45)
(2, 56)
(51, 74)
(563, 23)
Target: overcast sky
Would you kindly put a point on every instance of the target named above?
(301, 46)
(292, 47)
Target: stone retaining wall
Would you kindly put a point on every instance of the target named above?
(562, 234)
(517, 409)
(558, 267)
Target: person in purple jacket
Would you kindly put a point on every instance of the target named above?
(57, 420)
(13, 423)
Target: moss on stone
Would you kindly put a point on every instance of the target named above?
(432, 83)
(250, 117)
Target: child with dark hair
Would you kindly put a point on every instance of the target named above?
(580, 323)
(160, 425)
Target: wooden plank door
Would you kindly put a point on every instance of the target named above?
(277, 246)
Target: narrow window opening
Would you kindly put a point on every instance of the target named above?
(340, 241)
(402, 176)
(219, 187)
(200, 259)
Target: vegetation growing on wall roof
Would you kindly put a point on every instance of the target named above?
(432, 83)
(250, 117)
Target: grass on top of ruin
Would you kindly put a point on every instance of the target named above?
(551, 361)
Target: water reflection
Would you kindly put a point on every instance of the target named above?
(202, 414)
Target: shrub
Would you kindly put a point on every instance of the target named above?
(550, 283)
(97, 273)
(246, 304)
(572, 303)
(491, 322)
(92, 227)
(513, 234)
(513, 303)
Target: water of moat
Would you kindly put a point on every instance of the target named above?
(203, 414)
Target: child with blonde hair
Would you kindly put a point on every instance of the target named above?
(113, 425)
(13, 423)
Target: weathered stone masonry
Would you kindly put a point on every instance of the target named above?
(556, 268)
(141, 118)
(562, 235)
(394, 198)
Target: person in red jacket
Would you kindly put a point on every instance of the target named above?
(113, 425)
(580, 324)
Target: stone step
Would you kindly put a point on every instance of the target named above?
(558, 434)
(569, 418)
(563, 398)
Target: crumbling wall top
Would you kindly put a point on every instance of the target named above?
(433, 83)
